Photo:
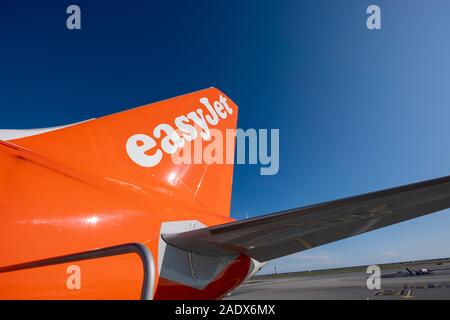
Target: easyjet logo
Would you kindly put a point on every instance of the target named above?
(148, 150)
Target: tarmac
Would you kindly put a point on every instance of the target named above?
(351, 284)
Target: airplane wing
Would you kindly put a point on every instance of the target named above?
(275, 235)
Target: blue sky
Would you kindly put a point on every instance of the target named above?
(357, 110)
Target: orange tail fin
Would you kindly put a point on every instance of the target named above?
(135, 147)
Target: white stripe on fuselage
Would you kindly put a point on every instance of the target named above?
(11, 134)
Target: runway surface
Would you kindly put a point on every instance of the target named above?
(396, 283)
